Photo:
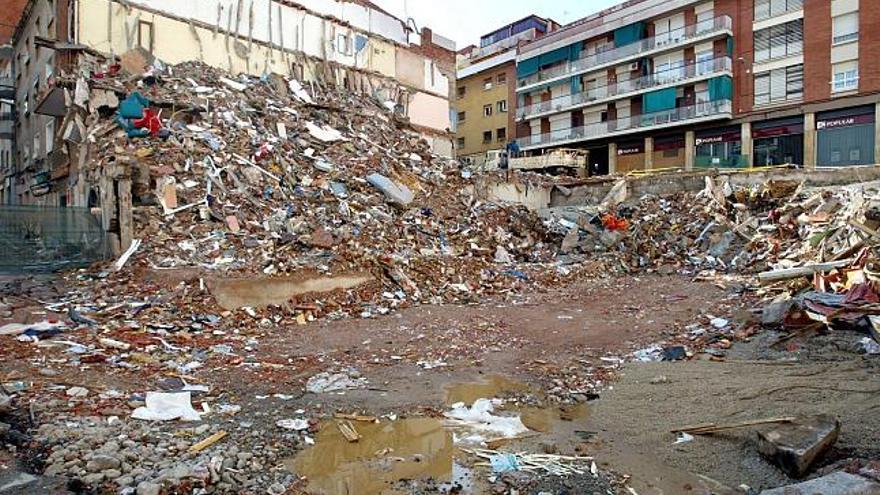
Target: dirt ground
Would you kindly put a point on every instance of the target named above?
(557, 357)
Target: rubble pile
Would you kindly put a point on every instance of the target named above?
(261, 177)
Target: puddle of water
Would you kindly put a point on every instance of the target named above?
(546, 420)
(414, 448)
(261, 292)
(487, 388)
(388, 452)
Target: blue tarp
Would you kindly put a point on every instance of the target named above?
(657, 101)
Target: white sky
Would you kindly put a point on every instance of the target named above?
(464, 21)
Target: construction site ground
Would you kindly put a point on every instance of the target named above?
(523, 347)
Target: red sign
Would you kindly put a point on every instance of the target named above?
(783, 130)
(631, 149)
(725, 136)
(844, 122)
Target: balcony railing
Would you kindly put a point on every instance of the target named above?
(506, 43)
(615, 55)
(673, 76)
(621, 126)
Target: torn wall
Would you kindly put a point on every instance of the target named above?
(365, 53)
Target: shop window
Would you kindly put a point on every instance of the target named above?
(502, 106)
(145, 35)
(487, 137)
(487, 110)
(501, 134)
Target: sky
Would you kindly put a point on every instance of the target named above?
(464, 21)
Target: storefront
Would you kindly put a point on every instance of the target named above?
(630, 156)
(845, 137)
(778, 142)
(720, 148)
(669, 152)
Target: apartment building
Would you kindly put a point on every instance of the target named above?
(652, 84)
(9, 15)
(485, 88)
(350, 43)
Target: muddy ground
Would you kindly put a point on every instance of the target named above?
(563, 359)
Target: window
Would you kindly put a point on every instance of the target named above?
(36, 144)
(846, 77)
(487, 137)
(487, 84)
(501, 79)
(145, 35)
(845, 28)
(765, 9)
(501, 134)
(460, 142)
(50, 136)
(461, 91)
(487, 110)
(779, 85)
(779, 41)
(502, 106)
(343, 44)
(705, 62)
(462, 116)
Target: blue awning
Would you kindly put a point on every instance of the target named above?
(657, 101)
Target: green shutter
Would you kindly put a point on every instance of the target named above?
(629, 34)
(720, 88)
(657, 101)
(526, 68)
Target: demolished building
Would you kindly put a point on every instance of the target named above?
(356, 46)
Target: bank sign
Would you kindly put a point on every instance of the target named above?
(844, 122)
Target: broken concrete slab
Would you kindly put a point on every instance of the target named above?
(839, 483)
(774, 313)
(794, 446)
(395, 192)
(261, 292)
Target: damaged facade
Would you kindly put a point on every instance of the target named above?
(353, 45)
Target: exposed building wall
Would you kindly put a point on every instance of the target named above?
(427, 110)
(9, 15)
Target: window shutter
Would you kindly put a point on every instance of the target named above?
(762, 9)
(762, 88)
(777, 84)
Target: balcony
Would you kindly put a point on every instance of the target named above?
(704, 69)
(712, 110)
(666, 41)
(505, 44)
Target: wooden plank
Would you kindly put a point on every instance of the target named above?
(710, 428)
(802, 271)
(204, 444)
